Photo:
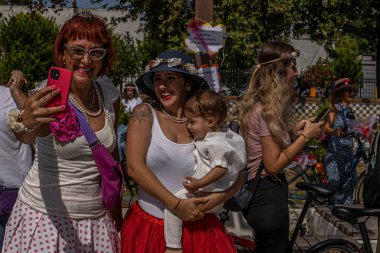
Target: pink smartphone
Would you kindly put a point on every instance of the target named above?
(61, 78)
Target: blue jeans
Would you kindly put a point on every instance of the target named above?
(3, 221)
(121, 136)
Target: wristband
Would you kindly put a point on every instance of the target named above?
(304, 136)
(15, 122)
(179, 200)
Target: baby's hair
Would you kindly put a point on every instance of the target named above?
(207, 103)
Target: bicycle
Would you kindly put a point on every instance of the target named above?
(351, 215)
(303, 169)
(315, 193)
(308, 173)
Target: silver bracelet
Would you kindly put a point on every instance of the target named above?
(15, 122)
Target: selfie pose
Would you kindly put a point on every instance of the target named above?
(340, 153)
(60, 206)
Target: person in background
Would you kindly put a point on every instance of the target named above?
(130, 97)
(59, 206)
(15, 157)
(161, 156)
(272, 141)
(220, 156)
(340, 153)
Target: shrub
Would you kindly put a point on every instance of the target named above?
(26, 42)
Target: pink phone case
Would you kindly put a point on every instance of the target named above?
(61, 78)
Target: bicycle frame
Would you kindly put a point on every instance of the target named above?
(300, 220)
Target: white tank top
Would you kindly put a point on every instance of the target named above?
(170, 162)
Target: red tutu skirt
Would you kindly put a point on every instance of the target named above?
(144, 233)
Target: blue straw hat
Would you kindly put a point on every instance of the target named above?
(174, 61)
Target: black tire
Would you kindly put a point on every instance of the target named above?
(294, 175)
(334, 246)
(358, 190)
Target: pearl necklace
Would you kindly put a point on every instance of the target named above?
(174, 118)
(86, 112)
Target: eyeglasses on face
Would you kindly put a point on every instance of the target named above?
(77, 52)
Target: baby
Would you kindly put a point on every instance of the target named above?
(220, 156)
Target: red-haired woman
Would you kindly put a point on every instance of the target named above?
(59, 207)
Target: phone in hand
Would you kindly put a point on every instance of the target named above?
(61, 78)
(321, 115)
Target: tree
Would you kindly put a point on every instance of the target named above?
(249, 24)
(26, 42)
(126, 62)
(345, 59)
(327, 21)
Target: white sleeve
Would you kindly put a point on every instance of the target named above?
(218, 153)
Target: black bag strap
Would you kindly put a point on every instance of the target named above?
(374, 159)
(255, 182)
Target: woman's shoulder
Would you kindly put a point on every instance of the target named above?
(143, 111)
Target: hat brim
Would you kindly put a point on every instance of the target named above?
(145, 81)
(344, 87)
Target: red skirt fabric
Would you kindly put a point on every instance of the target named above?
(144, 233)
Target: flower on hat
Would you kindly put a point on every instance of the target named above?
(172, 62)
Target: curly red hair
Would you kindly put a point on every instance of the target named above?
(89, 27)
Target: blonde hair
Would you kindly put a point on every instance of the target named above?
(268, 86)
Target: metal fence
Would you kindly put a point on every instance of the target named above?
(234, 83)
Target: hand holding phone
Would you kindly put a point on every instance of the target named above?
(321, 115)
(60, 78)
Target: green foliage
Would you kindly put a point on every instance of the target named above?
(321, 152)
(345, 58)
(126, 58)
(320, 74)
(344, 62)
(325, 21)
(26, 42)
(249, 25)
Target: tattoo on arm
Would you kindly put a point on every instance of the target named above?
(141, 113)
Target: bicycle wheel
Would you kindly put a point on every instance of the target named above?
(293, 175)
(334, 246)
(358, 190)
